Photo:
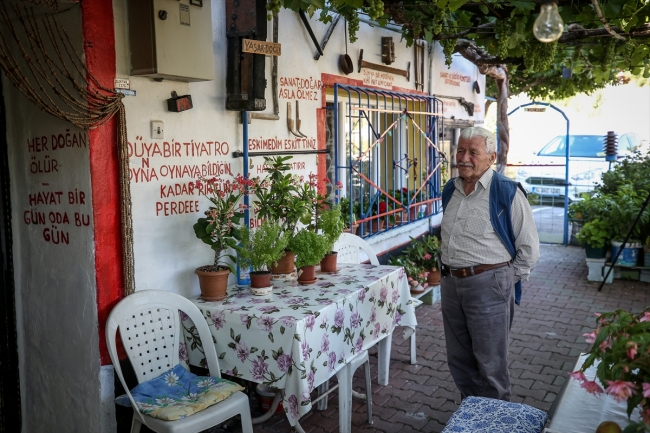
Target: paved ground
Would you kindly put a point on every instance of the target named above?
(557, 308)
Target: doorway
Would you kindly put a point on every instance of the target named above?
(10, 413)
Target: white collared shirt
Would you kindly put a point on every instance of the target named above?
(468, 238)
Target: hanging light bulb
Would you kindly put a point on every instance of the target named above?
(548, 26)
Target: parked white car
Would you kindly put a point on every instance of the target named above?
(544, 174)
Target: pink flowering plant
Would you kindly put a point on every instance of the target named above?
(416, 274)
(621, 344)
(220, 226)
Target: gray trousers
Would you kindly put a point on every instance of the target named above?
(477, 312)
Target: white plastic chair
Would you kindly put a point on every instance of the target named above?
(344, 378)
(150, 328)
(348, 246)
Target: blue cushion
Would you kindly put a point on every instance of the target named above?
(487, 415)
(178, 393)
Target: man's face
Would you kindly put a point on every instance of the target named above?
(472, 158)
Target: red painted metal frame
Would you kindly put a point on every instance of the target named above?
(99, 50)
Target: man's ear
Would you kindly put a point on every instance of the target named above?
(493, 157)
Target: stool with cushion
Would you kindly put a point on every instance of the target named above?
(480, 414)
(168, 398)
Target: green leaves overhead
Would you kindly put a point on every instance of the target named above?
(502, 29)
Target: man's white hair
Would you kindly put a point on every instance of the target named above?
(477, 131)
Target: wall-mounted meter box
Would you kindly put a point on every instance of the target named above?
(171, 39)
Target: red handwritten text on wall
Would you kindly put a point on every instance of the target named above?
(300, 88)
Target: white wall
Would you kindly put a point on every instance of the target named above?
(166, 250)
(53, 265)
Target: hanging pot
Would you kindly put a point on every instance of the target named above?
(345, 62)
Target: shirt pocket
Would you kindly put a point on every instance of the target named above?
(478, 226)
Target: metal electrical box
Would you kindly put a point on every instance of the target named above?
(171, 39)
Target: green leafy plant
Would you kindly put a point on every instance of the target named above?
(425, 251)
(278, 196)
(309, 247)
(594, 233)
(346, 206)
(621, 346)
(262, 247)
(415, 274)
(219, 228)
(624, 206)
(331, 225)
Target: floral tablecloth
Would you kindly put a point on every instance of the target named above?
(300, 336)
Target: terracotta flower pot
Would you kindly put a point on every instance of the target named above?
(328, 264)
(213, 284)
(433, 279)
(307, 275)
(377, 224)
(260, 279)
(285, 264)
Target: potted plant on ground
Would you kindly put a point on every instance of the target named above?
(426, 253)
(278, 200)
(219, 229)
(416, 275)
(261, 249)
(310, 248)
(350, 223)
(594, 235)
(624, 207)
(331, 225)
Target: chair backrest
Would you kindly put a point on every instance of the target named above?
(150, 327)
(348, 246)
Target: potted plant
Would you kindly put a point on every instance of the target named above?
(350, 223)
(594, 235)
(278, 200)
(426, 253)
(310, 248)
(219, 229)
(331, 226)
(261, 249)
(416, 275)
(620, 349)
(624, 207)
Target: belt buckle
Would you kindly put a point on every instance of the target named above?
(464, 272)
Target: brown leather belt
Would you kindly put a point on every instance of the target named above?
(471, 270)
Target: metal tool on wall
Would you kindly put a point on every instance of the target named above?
(418, 69)
(345, 62)
(327, 35)
(290, 123)
(383, 68)
(298, 120)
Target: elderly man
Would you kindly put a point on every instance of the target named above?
(489, 244)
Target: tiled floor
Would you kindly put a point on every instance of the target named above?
(557, 308)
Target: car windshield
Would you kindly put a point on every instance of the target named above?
(586, 146)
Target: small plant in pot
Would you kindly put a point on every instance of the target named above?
(331, 225)
(426, 253)
(219, 229)
(595, 236)
(261, 248)
(310, 248)
(416, 275)
(278, 199)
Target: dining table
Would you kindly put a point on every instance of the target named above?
(299, 336)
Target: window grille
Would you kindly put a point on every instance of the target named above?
(387, 156)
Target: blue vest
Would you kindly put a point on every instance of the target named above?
(502, 193)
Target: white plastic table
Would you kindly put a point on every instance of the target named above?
(300, 336)
(577, 411)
